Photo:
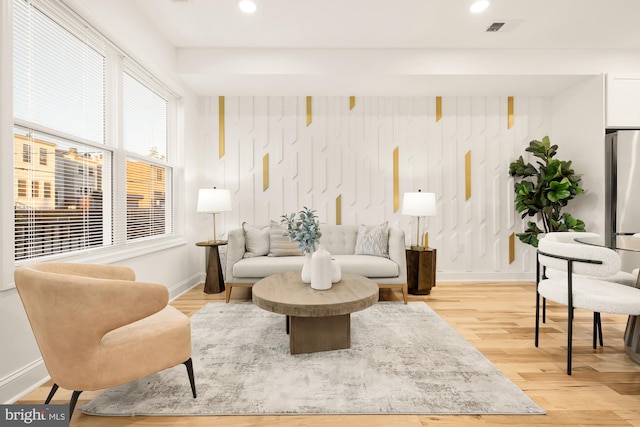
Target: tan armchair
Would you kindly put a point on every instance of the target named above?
(96, 327)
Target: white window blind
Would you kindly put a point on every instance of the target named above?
(58, 205)
(58, 77)
(91, 165)
(145, 138)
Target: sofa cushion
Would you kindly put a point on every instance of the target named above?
(266, 266)
(256, 240)
(364, 265)
(279, 242)
(367, 265)
(373, 240)
(339, 239)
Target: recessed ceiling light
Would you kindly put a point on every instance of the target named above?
(479, 6)
(247, 6)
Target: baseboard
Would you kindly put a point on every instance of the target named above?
(485, 276)
(23, 382)
(180, 288)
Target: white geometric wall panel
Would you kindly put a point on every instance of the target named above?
(347, 153)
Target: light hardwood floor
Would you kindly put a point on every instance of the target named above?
(498, 319)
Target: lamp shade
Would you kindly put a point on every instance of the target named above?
(214, 200)
(419, 204)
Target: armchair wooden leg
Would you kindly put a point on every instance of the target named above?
(405, 291)
(189, 365)
(51, 393)
(72, 403)
(228, 291)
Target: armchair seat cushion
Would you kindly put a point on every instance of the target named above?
(154, 343)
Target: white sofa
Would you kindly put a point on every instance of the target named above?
(339, 240)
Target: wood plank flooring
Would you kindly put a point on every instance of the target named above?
(498, 319)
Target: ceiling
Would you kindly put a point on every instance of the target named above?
(211, 29)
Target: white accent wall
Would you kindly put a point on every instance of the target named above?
(349, 153)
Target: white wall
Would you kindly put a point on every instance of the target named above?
(578, 130)
(349, 153)
(180, 267)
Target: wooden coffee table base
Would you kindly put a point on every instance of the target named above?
(316, 320)
(311, 334)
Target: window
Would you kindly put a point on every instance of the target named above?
(145, 115)
(35, 189)
(26, 153)
(47, 190)
(22, 188)
(72, 89)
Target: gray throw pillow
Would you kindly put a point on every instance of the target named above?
(256, 240)
(373, 240)
(279, 242)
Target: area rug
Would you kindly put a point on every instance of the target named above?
(404, 359)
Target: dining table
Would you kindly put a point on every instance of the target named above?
(623, 242)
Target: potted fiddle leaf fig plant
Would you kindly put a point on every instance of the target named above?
(544, 190)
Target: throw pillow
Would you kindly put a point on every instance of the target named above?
(256, 240)
(373, 240)
(279, 242)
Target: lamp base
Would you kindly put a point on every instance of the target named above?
(418, 248)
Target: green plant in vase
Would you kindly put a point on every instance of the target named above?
(544, 191)
(303, 228)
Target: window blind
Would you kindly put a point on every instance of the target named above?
(58, 77)
(144, 122)
(58, 204)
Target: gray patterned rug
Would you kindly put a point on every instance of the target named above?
(404, 359)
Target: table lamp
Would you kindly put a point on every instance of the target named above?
(213, 201)
(419, 204)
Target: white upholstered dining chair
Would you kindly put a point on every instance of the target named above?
(583, 284)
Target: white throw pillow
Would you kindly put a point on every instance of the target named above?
(279, 242)
(256, 240)
(373, 240)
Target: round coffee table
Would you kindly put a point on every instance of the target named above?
(316, 320)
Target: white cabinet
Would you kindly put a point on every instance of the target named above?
(623, 101)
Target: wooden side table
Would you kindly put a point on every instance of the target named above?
(214, 283)
(421, 270)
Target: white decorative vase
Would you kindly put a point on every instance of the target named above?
(305, 275)
(336, 271)
(321, 269)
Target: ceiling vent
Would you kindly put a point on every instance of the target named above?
(504, 26)
(495, 27)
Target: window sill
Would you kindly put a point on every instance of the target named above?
(114, 254)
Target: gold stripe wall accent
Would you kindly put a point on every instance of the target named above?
(438, 108)
(352, 102)
(512, 248)
(467, 175)
(220, 127)
(309, 112)
(265, 172)
(396, 180)
(510, 112)
(339, 210)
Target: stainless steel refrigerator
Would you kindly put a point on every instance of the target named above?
(622, 190)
